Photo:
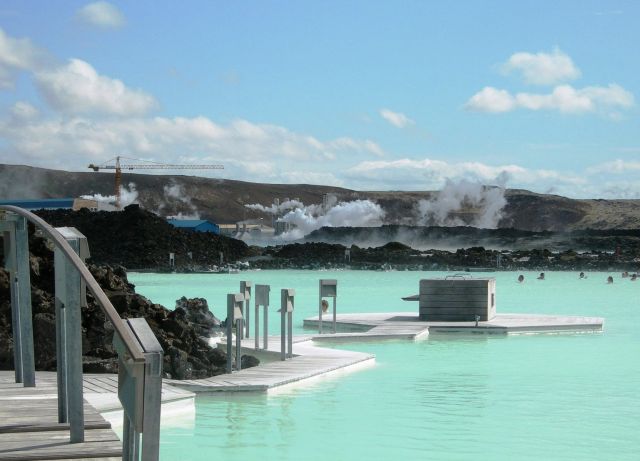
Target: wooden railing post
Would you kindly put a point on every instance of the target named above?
(68, 287)
(16, 249)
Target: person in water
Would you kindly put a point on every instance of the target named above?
(541, 276)
(609, 279)
(634, 277)
(625, 274)
(582, 276)
(520, 278)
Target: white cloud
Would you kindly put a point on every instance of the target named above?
(253, 149)
(397, 119)
(101, 14)
(77, 88)
(617, 166)
(563, 98)
(17, 54)
(491, 99)
(430, 174)
(543, 68)
(23, 111)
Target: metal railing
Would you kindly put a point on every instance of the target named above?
(139, 353)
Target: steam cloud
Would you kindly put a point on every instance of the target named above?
(276, 209)
(174, 194)
(307, 218)
(128, 195)
(463, 203)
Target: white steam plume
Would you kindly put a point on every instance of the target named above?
(307, 218)
(357, 213)
(275, 209)
(463, 203)
(127, 196)
(174, 194)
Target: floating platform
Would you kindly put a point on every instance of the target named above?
(364, 325)
(309, 361)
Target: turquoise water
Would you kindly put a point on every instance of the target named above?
(537, 397)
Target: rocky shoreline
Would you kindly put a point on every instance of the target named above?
(182, 332)
(397, 256)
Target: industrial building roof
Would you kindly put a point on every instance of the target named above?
(187, 222)
(40, 203)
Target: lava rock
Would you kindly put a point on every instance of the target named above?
(248, 361)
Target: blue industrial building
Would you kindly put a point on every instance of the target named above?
(195, 225)
(41, 203)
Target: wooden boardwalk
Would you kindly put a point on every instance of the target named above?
(374, 323)
(309, 361)
(29, 428)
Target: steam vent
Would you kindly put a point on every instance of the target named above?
(457, 299)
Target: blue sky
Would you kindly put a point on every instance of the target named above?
(369, 95)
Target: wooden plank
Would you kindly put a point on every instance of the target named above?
(44, 427)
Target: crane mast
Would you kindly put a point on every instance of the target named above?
(118, 167)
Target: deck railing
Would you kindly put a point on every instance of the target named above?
(139, 353)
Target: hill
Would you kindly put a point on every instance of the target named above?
(224, 201)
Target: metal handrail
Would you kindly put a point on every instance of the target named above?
(133, 348)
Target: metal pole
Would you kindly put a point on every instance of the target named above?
(9, 239)
(73, 330)
(127, 436)
(257, 324)
(61, 358)
(245, 290)
(320, 308)
(24, 303)
(239, 344)
(283, 326)
(247, 322)
(266, 327)
(230, 305)
(334, 314)
(290, 333)
(15, 324)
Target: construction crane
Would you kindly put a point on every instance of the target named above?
(118, 167)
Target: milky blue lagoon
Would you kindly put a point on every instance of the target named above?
(528, 397)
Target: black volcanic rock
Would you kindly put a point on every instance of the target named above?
(181, 333)
(137, 239)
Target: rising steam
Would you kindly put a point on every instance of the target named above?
(307, 218)
(175, 197)
(463, 203)
(128, 195)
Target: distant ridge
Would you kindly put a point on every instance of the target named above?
(223, 200)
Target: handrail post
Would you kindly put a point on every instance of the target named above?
(140, 392)
(9, 239)
(68, 289)
(235, 302)
(23, 269)
(16, 249)
(245, 289)
(262, 299)
(287, 304)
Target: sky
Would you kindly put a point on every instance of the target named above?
(368, 95)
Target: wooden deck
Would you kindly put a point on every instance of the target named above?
(29, 428)
(309, 361)
(501, 324)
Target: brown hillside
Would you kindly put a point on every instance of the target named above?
(223, 200)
